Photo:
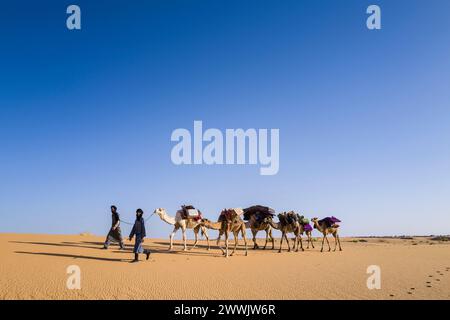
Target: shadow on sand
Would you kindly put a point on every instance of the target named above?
(74, 256)
(62, 244)
(99, 246)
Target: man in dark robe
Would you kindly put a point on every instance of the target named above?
(114, 234)
(138, 231)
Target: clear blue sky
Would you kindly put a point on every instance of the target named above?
(86, 116)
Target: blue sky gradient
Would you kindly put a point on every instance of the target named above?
(86, 116)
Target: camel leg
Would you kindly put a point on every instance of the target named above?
(184, 239)
(267, 238)
(226, 244)
(335, 242)
(218, 239)
(221, 248)
(245, 241)
(307, 239)
(281, 242)
(236, 236)
(310, 241)
(287, 240)
(254, 232)
(301, 243)
(339, 241)
(323, 240)
(273, 240)
(206, 236)
(175, 229)
(328, 242)
(196, 230)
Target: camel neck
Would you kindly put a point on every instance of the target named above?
(214, 225)
(274, 225)
(318, 226)
(166, 218)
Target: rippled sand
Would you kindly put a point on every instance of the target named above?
(34, 267)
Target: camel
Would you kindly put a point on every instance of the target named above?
(308, 234)
(307, 230)
(295, 228)
(326, 231)
(179, 222)
(252, 215)
(308, 237)
(225, 226)
(254, 226)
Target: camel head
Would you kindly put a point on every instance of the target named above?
(314, 221)
(267, 219)
(160, 212)
(204, 221)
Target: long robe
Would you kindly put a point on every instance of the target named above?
(114, 234)
(139, 232)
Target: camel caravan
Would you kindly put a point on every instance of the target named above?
(256, 218)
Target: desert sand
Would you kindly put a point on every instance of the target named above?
(34, 267)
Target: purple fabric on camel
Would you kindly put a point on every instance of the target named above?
(329, 221)
(307, 227)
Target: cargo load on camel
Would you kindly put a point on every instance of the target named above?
(189, 212)
(287, 218)
(230, 214)
(305, 223)
(260, 212)
(329, 222)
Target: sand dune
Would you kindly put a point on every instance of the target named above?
(34, 267)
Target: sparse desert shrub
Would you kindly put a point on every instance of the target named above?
(441, 238)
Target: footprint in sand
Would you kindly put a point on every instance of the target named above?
(429, 286)
(409, 292)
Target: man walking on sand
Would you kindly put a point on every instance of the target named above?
(114, 234)
(139, 231)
